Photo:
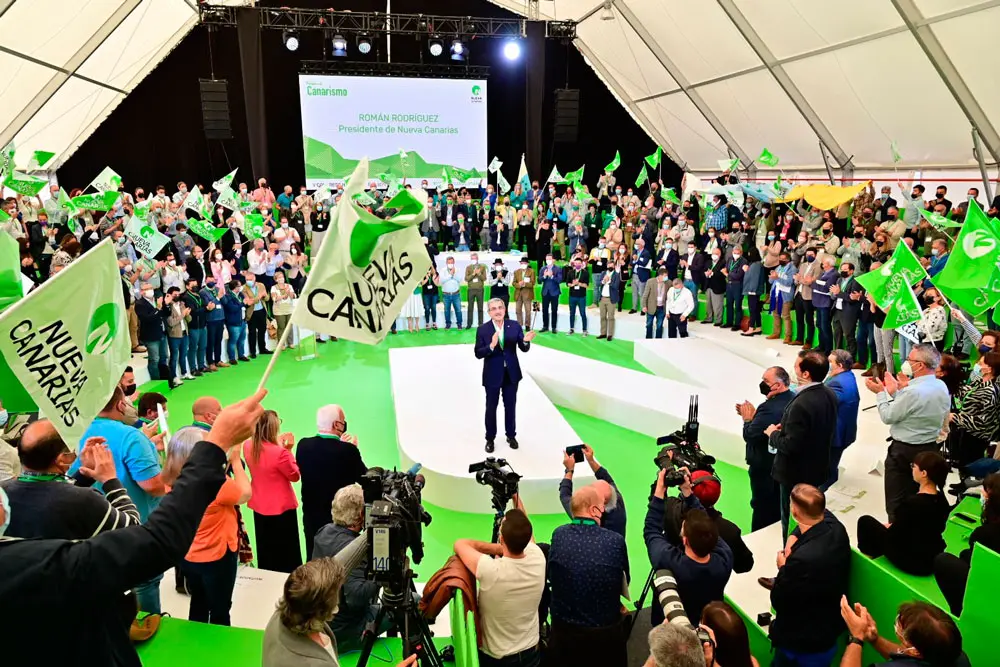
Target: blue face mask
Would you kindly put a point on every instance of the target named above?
(4, 416)
(984, 350)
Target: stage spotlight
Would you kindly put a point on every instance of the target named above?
(435, 47)
(457, 50)
(291, 40)
(339, 46)
(512, 50)
(364, 45)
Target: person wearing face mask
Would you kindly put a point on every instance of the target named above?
(585, 604)
(524, 294)
(679, 304)
(263, 194)
(451, 293)
(808, 272)
(926, 636)
(577, 278)
(642, 263)
(600, 259)
(734, 272)
(215, 322)
(764, 493)
(715, 289)
(305, 203)
(915, 410)
(884, 203)
(668, 258)
(977, 421)
(782, 286)
(10, 465)
(152, 313)
(829, 240)
(822, 302)
(654, 303)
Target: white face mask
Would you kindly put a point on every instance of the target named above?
(148, 293)
(550, 262)
(906, 369)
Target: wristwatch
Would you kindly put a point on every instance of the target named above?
(568, 471)
(854, 640)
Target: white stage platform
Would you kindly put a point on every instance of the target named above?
(450, 375)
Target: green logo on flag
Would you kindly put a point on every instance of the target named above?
(146, 232)
(972, 246)
(476, 90)
(102, 328)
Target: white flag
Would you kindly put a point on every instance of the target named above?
(228, 199)
(144, 237)
(368, 269)
(555, 176)
(502, 182)
(495, 165)
(106, 181)
(226, 181)
(67, 342)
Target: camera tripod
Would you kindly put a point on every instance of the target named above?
(641, 601)
(407, 619)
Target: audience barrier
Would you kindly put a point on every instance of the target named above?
(463, 633)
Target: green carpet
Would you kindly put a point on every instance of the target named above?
(358, 377)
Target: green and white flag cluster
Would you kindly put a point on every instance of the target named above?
(368, 269)
(971, 278)
(495, 165)
(144, 236)
(574, 176)
(253, 226)
(67, 342)
(729, 165)
(225, 182)
(106, 181)
(555, 176)
(891, 286)
(502, 183)
(938, 220)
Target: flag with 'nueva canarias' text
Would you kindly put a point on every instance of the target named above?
(67, 341)
(367, 268)
(144, 236)
(901, 271)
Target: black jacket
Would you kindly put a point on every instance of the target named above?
(356, 595)
(199, 316)
(196, 269)
(851, 307)
(733, 536)
(82, 582)
(151, 320)
(327, 464)
(807, 591)
(805, 438)
(716, 283)
(769, 412)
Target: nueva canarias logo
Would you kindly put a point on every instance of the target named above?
(102, 328)
(477, 90)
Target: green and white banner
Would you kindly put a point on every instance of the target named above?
(416, 127)
(67, 342)
(144, 237)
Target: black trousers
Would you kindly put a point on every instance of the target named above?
(576, 645)
(277, 539)
(509, 391)
(765, 502)
(550, 303)
(211, 585)
(755, 305)
(898, 479)
(675, 325)
(845, 324)
(256, 331)
(734, 305)
(952, 576)
(805, 327)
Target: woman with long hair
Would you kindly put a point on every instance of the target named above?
(914, 539)
(731, 642)
(272, 471)
(210, 564)
(69, 249)
(952, 572)
(753, 288)
(976, 423)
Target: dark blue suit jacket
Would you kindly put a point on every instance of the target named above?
(500, 358)
(845, 386)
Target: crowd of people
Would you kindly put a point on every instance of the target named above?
(537, 603)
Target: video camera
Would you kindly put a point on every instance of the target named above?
(681, 449)
(499, 476)
(395, 523)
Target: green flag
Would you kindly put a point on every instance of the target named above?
(141, 209)
(226, 181)
(554, 176)
(67, 341)
(729, 165)
(582, 196)
(901, 270)
(938, 220)
(144, 237)
(98, 201)
(495, 165)
(903, 309)
(614, 164)
(205, 230)
(973, 260)
(896, 157)
(364, 199)
(502, 183)
(768, 158)
(574, 176)
(227, 198)
(7, 160)
(4, 216)
(194, 200)
(642, 177)
(654, 159)
(39, 159)
(106, 180)
(24, 184)
(671, 196)
(253, 226)
(321, 195)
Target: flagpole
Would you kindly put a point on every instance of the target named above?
(279, 346)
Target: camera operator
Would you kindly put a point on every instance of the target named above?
(358, 595)
(928, 637)
(674, 646)
(510, 589)
(707, 488)
(44, 575)
(764, 499)
(586, 568)
(813, 571)
(614, 503)
(702, 565)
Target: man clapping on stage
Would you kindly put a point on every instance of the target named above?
(496, 344)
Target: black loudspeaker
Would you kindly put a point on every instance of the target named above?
(215, 108)
(567, 120)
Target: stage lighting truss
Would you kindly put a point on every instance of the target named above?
(439, 70)
(291, 40)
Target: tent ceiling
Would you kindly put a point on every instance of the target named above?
(708, 79)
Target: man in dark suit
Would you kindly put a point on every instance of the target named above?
(448, 219)
(328, 461)
(693, 265)
(845, 386)
(496, 344)
(734, 270)
(805, 435)
(848, 297)
(884, 203)
(764, 499)
(668, 259)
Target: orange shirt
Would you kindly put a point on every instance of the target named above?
(218, 530)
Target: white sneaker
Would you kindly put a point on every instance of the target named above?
(585, 334)
(188, 377)
(178, 380)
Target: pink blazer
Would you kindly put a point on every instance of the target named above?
(271, 479)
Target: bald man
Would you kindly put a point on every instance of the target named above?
(43, 505)
(328, 461)
(204, 411)
(614, 504)
(587, 567)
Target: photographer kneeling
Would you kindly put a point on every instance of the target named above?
(702, 563)
(358, 596)
(510, 588)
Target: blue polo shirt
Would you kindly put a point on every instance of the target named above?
(136, 460)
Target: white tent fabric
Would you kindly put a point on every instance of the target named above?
(710, 79)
